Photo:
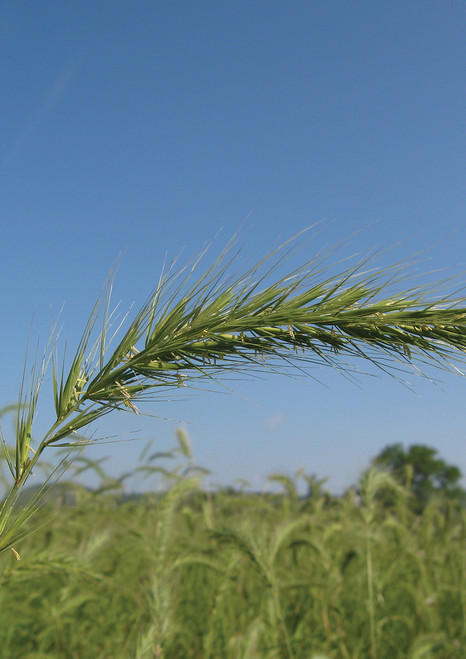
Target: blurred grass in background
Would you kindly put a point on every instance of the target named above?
(184, 572)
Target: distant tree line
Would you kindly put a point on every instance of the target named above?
(420, 469)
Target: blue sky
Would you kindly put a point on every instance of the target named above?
(143, 128)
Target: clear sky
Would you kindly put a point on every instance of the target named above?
(145, 127)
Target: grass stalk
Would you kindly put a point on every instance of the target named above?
(202, 328)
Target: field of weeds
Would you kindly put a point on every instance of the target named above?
(188, 573)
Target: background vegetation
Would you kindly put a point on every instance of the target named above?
(185, 572)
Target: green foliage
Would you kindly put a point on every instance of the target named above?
(192, 574)
(421, 470)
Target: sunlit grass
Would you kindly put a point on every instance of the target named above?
(200, 326)
(189, 573)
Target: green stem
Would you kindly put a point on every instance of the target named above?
(370, 591)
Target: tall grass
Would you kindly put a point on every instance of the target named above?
(202, 326)
(259, 576)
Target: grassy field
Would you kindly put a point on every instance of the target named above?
(187, 573)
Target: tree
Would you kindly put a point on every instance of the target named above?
(421, 470)
(194, 329)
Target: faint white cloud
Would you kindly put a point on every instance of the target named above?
(275, 420)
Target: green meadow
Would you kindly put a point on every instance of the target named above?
(189, 573)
